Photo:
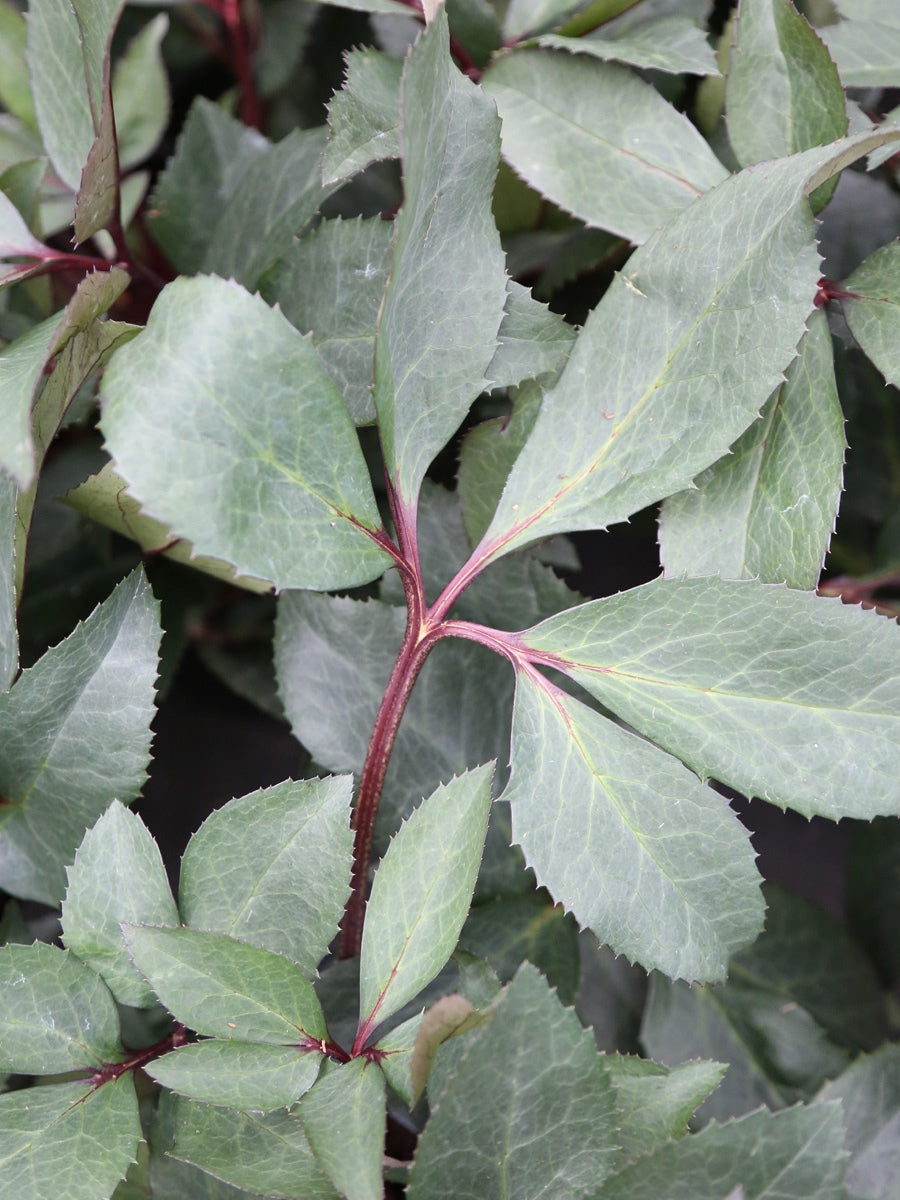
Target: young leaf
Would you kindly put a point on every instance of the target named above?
(74, 736)
(273, 869)
(656, 864)
(873, 309)
(237, 1074)
(692, 353)
(364, 116)
(57, 1015)
(68, 1140)
(343, 1115)
(766, 511)
(528, 1112)
(564, 133)
(398, 1047)
(777, 693)
(275, 199)
(280, 488)
(655, 1102)
(421, 895)
(68, 57)
(793, 1155)
(105, 498)
(212, 155)
(268, 1153)
(140, 93)
(870, 1093)
(331, 284)
(672, 44)
(118, 875)
(444, 302)
(783, 93)
(227, 989)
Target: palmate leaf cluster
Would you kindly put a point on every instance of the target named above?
(248, 377)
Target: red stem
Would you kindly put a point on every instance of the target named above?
(111, 1071)
(250, 107)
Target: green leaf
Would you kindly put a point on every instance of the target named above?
(364, 116)
(777, 693)
(870, 1093)
(867, 52)
(9, 640)
(793, 1155)
(783, 92)
(273, 869)
(212, 155)
(74, 736)
(334, 656)
(105, 498)
(806, 955)
(118, 876)
(265, 1153)
(655, 1102)
(766, 510)
(15, 86)
(672, 44)
(524, 17)
(873, 309)
(592, 808)
(532, 340)
(692, 353)
(421, 895)
(777, 1052)
(227, 989)
(98, 201)
(23, 368)
(507, 930)
(279, 489)
(238, 1074)
(528, 1112)
(564, 133)
(331, 284)
(444, 302)
(16, 239)
(68, 1140)
(68, 57)
(276, 199)
(57, 1014)
(344, 1119)
(398, 1047)
(140, 93)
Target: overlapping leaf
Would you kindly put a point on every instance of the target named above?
(565, 132)
(57, 1015)
(529, 1110)
(344, 1119)
(421, 894)
(364, 115)
(74, 736)
(794, 1155)
(677, 358)
(272, 868)
(444, 302)
(777, 693)
(867, 50)
(870, 1095)
(766, 510)
(279, 488)
(264, 1153)
(68, 1140)
(118, 875)
(652, 861)
(873, 309)
(9, 639)
(784, 93)
(674, 44)
(236, 1074)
